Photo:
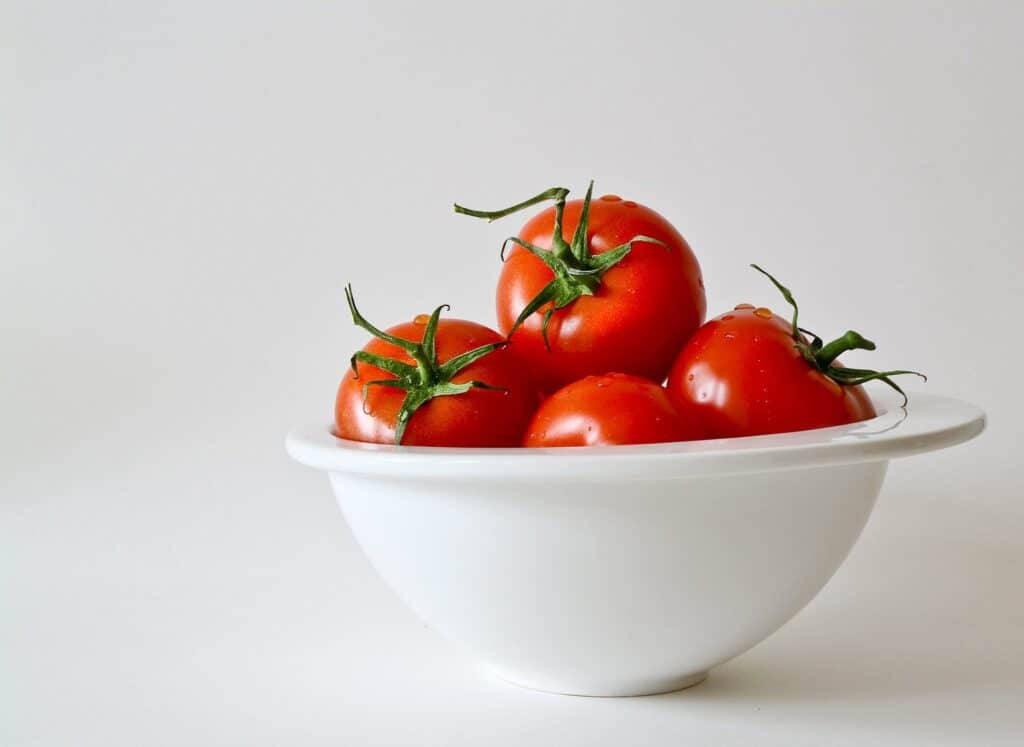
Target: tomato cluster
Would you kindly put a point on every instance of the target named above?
(600, 306)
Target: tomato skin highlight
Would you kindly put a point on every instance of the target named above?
(644, 310)
(478, 417)
(741, 375)
(608, 410)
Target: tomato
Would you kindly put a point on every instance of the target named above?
(621, 293)
(750, 372)
(608, 410)
(434, 382)
(741, 375)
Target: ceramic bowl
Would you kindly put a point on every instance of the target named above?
(621, 570)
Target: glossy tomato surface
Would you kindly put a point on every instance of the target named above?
(644, 310)
(741, 375)
(478, 417)
(608, 410)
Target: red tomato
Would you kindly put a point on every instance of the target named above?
(741, 375)
(487, 402)
(608, 410)
(750, 372)
(632, 315)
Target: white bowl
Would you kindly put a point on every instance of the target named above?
(621, 570)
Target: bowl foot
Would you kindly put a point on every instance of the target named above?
(606, 690)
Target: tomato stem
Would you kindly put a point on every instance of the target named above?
(850, 340)
(555, 193)
(428, 378)
(822, 356)
(576, 272)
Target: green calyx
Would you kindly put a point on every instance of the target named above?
(822, 356)
(424, 380)
(577, 272)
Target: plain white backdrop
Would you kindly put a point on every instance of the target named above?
(185, 188)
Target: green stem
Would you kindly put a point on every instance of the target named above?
(555, 193)
(823, 356)
(849, 341)
(576, 271)
(425, 369)
(559, 247)
(424, 381)
(580, 245)
(789, 299)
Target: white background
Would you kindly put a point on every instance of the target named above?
(186, 187)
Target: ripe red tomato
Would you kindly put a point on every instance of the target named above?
(622, 293)
(466, 389)
(741, 375)
(749, 372)
(607, 410)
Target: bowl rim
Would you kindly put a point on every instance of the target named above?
(928, 422)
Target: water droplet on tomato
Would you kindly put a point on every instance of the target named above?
(610, 198)
(763, 312)
(629, 203)
(421, 319)
(727, 317)
(602, 384)
(691, 377)
(739, 306)
(703, 395)
(729, 336)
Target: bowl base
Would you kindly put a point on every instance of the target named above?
(624, 690)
